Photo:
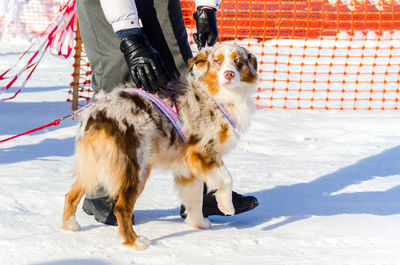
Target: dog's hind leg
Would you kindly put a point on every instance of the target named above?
(72, 199)
(123, 211)
(191, 192)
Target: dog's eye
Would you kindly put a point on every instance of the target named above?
(217, 61)
(238, 61)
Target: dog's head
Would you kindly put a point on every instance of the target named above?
(226, 67)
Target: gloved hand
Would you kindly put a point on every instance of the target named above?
(206, 25)
(144, 62)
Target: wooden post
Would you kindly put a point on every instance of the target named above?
(77, 68)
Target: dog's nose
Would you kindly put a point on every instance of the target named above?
(229, 75)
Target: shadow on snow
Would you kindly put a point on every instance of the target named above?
(300, 201)
(46, 148)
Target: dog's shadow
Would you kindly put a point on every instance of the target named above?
(171, 215)
(319, 197)
(90, 227)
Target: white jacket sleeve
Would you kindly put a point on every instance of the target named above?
(121, 14)
(211, 3)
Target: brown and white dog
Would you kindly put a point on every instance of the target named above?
(123, 136)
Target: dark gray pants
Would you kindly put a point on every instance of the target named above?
(163, 25)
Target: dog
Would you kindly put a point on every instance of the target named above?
(123, 136)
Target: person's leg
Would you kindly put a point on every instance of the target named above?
(168, 35)
(102, 47)
(108, 70)
(164, 26)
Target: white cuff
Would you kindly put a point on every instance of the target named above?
(121, 14)
(126, 24)
(211, 3)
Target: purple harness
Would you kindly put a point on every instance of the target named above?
(226, 112)
(172, 112)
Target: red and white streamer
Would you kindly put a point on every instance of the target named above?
(57, 38)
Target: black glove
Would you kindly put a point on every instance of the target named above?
(206, 25)
(144, 62)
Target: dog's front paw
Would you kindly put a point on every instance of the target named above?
(203, 223)
(71, 224)
(141, 243)
(227, 208)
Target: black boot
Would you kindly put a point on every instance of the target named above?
(240, 203)
(102, 209)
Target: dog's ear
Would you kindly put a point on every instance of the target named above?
(200, 60)
(253, 60)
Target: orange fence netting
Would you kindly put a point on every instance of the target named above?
(314, 54)
(318, 54)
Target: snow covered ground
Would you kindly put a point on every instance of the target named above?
(328, 184)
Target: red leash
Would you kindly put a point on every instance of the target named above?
(54, 123)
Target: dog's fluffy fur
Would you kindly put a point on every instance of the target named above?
(123, 136)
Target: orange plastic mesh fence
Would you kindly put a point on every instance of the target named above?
(318, 54)
(315, 54)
